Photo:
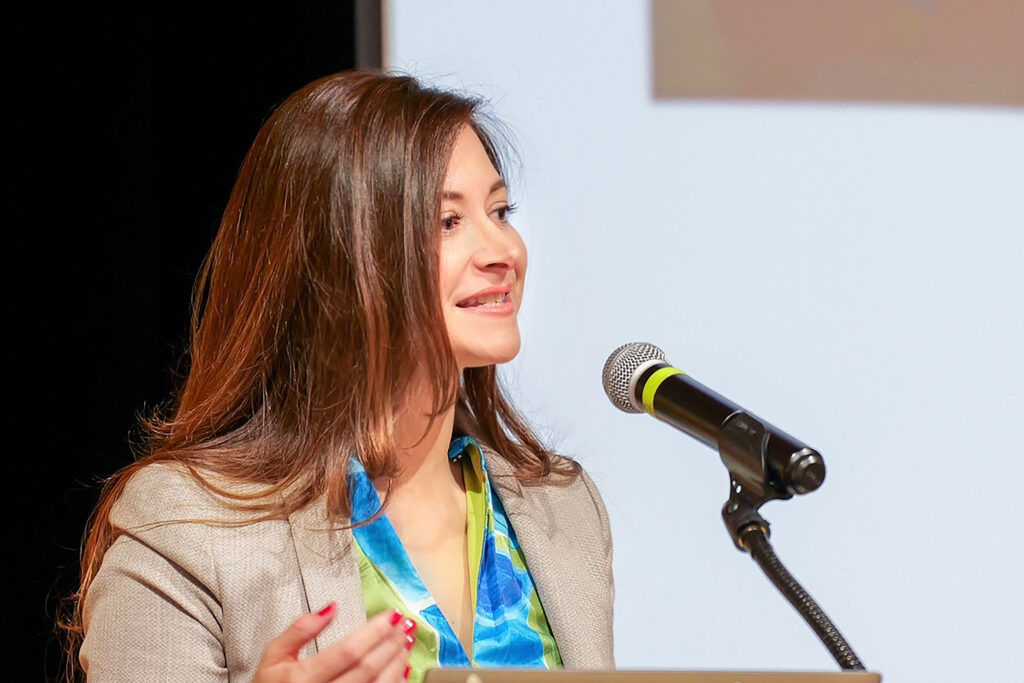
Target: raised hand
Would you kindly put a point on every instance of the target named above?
(377, 651)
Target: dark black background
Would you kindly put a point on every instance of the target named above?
(129, 124)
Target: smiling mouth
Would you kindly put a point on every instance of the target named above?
(487, 300)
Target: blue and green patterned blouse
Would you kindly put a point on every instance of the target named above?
(510, 629)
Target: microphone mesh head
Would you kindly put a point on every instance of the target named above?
(619, 368)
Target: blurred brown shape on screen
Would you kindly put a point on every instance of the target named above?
(936, 51)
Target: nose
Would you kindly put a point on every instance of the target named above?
(499, 246)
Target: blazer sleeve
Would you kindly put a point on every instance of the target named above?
(152, 611)
(604, 567)
(603, 523)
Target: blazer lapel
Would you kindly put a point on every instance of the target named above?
(330, 571)
(549, 557)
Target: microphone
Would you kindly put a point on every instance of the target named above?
(638, 378)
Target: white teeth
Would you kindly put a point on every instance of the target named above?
(489, 300)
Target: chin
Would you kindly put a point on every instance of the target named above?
(482, 356)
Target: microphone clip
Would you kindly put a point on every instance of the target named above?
(764, 464)
(743, 446)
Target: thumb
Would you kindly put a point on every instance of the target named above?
(286, 646)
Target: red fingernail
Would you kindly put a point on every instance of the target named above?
(406, 674)
(326, 610)
(409, 642)
(408, 625)
(396, 616)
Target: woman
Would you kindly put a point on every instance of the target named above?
(342, 492)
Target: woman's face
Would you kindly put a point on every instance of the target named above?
(483, 259)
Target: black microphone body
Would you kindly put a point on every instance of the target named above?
(686, 404)
(791, 465)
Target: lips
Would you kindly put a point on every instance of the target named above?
(492, 297)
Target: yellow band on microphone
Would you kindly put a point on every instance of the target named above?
(652, 384)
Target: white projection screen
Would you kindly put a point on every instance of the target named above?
(850, 268)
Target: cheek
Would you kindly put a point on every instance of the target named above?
(448, 271)
(521, 262)
(518, 247)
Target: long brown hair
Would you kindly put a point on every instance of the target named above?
(317, 309)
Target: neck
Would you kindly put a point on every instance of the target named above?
(426, 458)
(422, 452)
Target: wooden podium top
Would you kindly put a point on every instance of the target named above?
(622, 676)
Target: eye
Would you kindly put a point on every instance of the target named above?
(449, 221)
(503, 212)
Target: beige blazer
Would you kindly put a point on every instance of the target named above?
(178, 598)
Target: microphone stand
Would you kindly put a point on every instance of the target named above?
(742, 446)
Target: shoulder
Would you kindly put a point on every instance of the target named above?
(583, 486)
(185, 535)
(574, 499)
(162, 493)
(171, 518)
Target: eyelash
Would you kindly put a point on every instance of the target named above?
(509, 209)
(448, 222)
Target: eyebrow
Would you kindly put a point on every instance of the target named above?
(456, 196)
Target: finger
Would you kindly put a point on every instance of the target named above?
(349, 651)
(391, 656)
(395, 671)
(286, 646)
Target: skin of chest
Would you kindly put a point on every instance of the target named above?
(444, 569)
(434, 536)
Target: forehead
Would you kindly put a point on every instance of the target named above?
(469, 166)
